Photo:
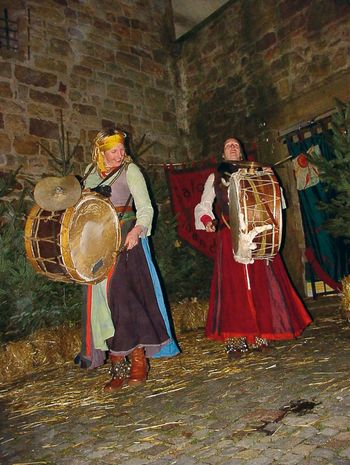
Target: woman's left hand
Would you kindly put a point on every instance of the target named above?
(132, 239)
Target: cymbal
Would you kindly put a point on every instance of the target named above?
(54, 193)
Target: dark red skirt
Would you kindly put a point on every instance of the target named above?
(256, 300)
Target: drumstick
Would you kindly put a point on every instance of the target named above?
(282, 161)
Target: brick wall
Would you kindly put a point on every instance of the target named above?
(99, 62)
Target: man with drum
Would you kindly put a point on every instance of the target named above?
(125, 314)
(251, 301)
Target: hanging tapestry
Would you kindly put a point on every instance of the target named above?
(186, 188)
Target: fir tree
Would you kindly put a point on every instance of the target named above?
(335, 174)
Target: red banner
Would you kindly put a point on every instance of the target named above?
(186, 187)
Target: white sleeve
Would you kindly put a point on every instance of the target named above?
(205, 206)
(143, 205)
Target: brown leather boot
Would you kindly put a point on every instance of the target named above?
(119, 372)
(139, 366)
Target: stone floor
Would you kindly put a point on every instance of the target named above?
(289, 406)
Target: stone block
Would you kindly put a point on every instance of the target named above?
(82, 71)
(16, 123)
(41, 10)
(136, 24)
(51, 64)
(75, 96)
(117, 92)
(84, 18)
(5, 143)
(34, 78)
(5, 70)
(128, 60)
(22, 92)
(151, 67)
(105, 54)
(125, 82)
(141, 52)
(48, 98)
(5, 90)
(77, 82)
(92, 63)
(84, 109)
(96, 88)
(58, 32)
(103, 26)
(61, 48)
(43, 128)
(36, 110)
(1, 121)
(11, 106)
(156, 97)
(26, 145)
(76, 33)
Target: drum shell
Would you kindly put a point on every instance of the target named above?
(78, 244)
(255, 204)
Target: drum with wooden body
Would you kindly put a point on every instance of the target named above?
(255, 214)
(78, 244)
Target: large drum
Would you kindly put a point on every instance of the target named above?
(78, 244)
(255, 214)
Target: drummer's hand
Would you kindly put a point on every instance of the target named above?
(132, 238)
(210, 227)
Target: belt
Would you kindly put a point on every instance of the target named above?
(123, 208)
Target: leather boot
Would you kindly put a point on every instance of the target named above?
(139, 366)
(119, 372)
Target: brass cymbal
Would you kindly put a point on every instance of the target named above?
(54, 193)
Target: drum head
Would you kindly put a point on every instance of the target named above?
(90, 238)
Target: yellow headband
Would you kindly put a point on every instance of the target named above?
(110, 141)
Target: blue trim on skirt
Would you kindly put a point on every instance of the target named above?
(170, 349)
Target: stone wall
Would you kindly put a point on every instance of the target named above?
(257, 68)
(256, 57)
(99, 62)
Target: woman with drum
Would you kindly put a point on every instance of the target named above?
(125, 314)
(251, 302)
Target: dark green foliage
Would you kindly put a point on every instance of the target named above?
(184, 271)
(28, 301)
(335, 174)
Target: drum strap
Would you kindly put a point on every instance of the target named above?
(117, 172)
(124, 208)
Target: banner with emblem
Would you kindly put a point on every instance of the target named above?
(186, 188)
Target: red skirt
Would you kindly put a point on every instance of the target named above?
(256, 300)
